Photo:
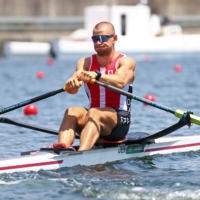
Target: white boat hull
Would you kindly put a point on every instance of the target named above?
(51, 161)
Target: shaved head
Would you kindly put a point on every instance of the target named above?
(107, 26)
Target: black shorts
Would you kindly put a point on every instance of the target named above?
(122, 127)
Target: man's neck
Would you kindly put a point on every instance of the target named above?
(107, 59)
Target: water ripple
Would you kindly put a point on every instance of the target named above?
(169, 177)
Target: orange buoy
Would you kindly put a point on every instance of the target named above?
(177, 68)
(40, 74)
(30, 109)
(50, 61)
(149, 97)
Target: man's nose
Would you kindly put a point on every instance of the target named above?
(99, 42)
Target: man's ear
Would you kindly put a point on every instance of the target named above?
(115, 39)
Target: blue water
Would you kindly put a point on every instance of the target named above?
(174, 176)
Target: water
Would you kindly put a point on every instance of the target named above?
(174, 176)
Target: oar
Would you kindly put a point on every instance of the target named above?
(37, 128)
(38, 98)
(178, 113)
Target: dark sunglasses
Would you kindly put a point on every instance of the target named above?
(101, 38)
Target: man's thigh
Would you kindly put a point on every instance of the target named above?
(107, 119)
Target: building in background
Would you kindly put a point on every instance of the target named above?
(70, 21)
(40, 20)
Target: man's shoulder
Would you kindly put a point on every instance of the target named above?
(84, 59)
(85, 62)
(127, 62)
(127, 59)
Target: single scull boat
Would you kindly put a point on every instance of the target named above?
(49, 159)
(135, 145)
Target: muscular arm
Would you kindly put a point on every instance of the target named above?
(125, 73)
(82, 65)
(72, 83)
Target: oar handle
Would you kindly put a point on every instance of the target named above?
(65, 88)
(71, 91)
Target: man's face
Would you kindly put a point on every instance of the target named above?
(103, 40)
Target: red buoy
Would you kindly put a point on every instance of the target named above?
(30, 109)
(149, 97)
(177, 68)
(146, 58)
(40, 74)
(50, 61)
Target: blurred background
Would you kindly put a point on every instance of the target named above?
(44, 20)
(163, 38)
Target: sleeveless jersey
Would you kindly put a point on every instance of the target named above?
(102, 97)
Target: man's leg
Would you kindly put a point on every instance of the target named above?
(73, 121)
(99, 122)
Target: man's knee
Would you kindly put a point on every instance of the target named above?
(92, 114)
(70, 111)
(74, 111)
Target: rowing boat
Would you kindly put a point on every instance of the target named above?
(51, 159)
(137, 144)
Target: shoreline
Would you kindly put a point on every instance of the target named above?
(46, 36)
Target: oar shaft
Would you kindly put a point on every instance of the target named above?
(36, 128)
(24, 103)
(178, 113)
(128, 94)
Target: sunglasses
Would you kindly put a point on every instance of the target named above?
(101, 38)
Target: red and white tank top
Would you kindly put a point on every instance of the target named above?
(102, 97)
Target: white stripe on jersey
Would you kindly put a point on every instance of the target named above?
(123, 99)
(102, 91)
(89, 94)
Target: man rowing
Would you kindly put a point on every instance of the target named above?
(108, 114)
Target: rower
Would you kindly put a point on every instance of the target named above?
(109, 113)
